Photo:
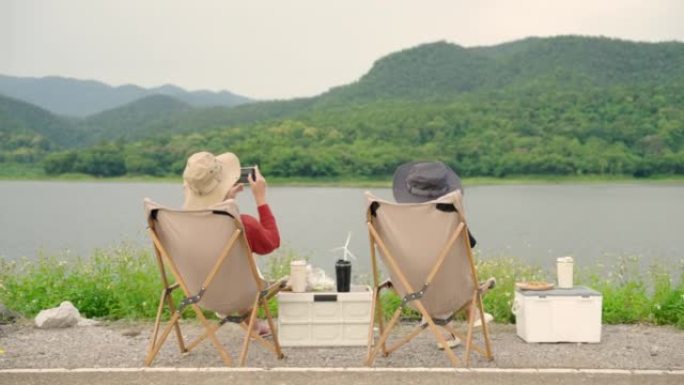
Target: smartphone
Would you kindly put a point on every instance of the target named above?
(244, 174)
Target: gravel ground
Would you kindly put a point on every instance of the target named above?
(124, 344)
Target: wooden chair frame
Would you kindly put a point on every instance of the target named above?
(475, 303)
(246, 321)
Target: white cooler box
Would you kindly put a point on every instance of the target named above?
(324, 318)
(558, 315)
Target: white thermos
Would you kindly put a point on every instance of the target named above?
(298, 276)
(564, 267)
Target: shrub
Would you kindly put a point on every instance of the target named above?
(124, 283)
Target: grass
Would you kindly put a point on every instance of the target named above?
(113, 284)
(124, 283)
(630, 296)
(20, 171)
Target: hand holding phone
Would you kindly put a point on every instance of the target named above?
(245, 172)
(257, 183)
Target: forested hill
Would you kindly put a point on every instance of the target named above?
(442, 70)
(559, 106)
(27, 131)
(123, 122)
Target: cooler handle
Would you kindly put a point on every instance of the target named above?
(325, 297)
(515, 307)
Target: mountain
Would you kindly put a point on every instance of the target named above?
(28, 132)
(73, 97)
(562, 105)
(443, 70)
(434, 72)
(124, 122)
(21, 118)
(599, 61)
(559, 106)
(201, 98)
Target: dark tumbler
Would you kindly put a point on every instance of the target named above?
(343, 275)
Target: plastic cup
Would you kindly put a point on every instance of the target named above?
(343, 275)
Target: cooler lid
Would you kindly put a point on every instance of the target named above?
(577, 291)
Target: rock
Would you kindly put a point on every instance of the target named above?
(64, 316)
(7, 316)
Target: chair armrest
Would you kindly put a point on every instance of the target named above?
(485, 286)
(274, 287)
(387, 284)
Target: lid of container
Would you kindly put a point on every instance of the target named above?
(577, 291)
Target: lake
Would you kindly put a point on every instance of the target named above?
(535, 223)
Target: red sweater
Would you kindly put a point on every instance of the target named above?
(262, 234)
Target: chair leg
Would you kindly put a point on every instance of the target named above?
(212, 335)
(371, 326)
(157, 323)
(250, 326)
(259, 339)
(158, 343)
(274, 332)
(471, 322)
(406, 339)
(381, 323)
(179, 335)
(439, 336)
(383, 337)
(193, 344)
(485, 329)
(376, 293)
(155, 342)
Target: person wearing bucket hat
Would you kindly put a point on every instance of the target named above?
(417, 182)
(210, 179)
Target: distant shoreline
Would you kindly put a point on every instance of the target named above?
(364, 182)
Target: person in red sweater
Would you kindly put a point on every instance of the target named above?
(262, 234)
(209, 179)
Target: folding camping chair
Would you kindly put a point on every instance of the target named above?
(427, 251)
(211, 262)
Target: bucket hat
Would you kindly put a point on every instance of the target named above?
(416, 182)
(207, 178)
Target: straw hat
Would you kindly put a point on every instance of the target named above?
(207, 178)
(416, 182)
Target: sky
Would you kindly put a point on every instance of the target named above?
(286, 48)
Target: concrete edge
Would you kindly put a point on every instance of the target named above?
(350, 370)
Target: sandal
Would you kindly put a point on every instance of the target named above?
(263, 329)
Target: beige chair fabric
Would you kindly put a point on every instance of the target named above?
(194, 239)
(415, 235)
(207, 255)
(426, 251)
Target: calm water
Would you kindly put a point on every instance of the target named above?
(533, 222)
